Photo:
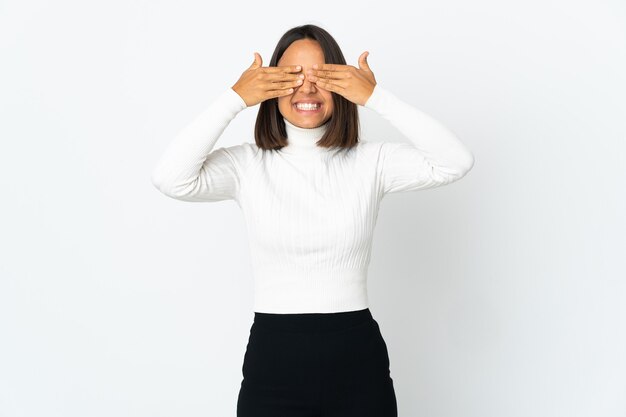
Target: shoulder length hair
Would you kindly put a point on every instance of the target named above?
(343, 126)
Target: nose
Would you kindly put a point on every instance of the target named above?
(307, 85)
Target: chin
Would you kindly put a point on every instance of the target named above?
(299, 119)
(306, 122)
(309, 124)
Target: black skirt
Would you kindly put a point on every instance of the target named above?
(316, 365)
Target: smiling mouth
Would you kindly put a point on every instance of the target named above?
(307, 107)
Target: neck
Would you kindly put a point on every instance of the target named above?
(301, 140)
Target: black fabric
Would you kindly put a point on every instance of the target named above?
(316, 365)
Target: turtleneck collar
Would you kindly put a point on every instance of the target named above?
(302, 140)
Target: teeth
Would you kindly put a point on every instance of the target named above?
(307, 106)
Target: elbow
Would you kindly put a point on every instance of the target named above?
(464, 164)
(463, 168)
(454, 172)
(468, 163)
(158, 181)
(166, 185)
(193, 190)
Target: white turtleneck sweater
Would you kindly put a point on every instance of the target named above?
(310, 212)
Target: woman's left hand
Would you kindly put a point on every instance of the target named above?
(355, 84)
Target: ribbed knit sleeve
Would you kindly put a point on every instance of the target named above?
(189, 170)
(433, 157)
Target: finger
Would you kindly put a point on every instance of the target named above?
(283, 84)
(279, 93)
(332, 67)
(334, 74)
(282, 76)
(329, 75)
(363, 64)
(330, 86)
(258, 61)
(284, 68)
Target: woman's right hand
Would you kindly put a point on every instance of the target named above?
(258, 83)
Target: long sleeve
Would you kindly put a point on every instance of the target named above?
(433, 157)
(189, 170)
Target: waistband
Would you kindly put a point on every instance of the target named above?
(312, 321)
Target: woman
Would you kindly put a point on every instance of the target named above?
(310, 192)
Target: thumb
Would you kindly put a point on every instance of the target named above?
(258, 61)
(363, 61)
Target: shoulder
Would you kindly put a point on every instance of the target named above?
(366, 146)
(365, 153)
(369, 149)
(241, 154)
(377, 152)
(242, 151)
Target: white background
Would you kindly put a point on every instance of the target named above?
(501, 295)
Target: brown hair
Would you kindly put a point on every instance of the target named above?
(343, 125)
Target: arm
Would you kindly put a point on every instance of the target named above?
(189, 170)
(433, 157)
